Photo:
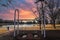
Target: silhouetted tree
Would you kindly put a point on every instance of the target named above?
(1, 20)
(58, 16)
(6, 4)
(53, 11)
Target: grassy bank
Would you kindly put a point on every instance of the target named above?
(34, 27)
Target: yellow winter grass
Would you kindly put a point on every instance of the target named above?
(35, 27)
(3, 30)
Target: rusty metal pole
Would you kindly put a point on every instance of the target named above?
(43, 18)
(14, 23)
(17, 21)
(16, 10)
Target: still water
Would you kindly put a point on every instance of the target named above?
(23, 26)
(30, 27)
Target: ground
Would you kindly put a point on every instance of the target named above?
(35, 27)
(49, 31)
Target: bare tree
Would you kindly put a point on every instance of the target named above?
(53, 11)
(6, 4)
(58, 16)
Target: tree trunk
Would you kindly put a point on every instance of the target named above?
(54, 24)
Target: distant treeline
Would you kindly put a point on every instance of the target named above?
(5, 22)
(11, 22)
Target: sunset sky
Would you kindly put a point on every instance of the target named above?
(25, 9)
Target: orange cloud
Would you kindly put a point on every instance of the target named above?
(25, 11)
(24, 14)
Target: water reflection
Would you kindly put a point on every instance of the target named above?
(23, 26)
(30, 27)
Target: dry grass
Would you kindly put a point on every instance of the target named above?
(35, 27)
(3, 30)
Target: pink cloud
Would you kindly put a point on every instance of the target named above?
(24, 14)
(25, 11)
